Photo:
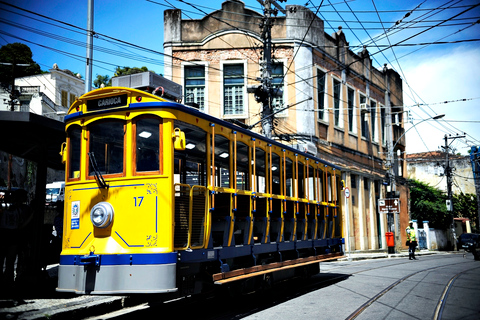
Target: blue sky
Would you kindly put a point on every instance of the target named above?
(432, 74)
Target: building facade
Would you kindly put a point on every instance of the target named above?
(335, 104)
(429, 167)
(49, 94)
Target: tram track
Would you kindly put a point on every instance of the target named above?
(440, 305)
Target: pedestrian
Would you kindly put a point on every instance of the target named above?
(411, 241)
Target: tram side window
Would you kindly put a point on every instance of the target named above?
(147, 144)
(301, 180)
(222, 161)
(74, 134)
(276, 174)
(320, 184)
(311, 183)
(260, 170)
(289, 177)
(106, 146)
(190, 164)
(243, 181)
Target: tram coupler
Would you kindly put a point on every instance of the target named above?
(90, 260)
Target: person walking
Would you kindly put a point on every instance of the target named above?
(411, 241)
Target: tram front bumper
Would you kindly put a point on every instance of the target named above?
(89, 275)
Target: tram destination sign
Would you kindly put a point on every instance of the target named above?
(107, 103)
(389, 205)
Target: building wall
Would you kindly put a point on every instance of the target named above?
(306, 51)
(429, 168)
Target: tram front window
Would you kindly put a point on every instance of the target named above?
(106, 143)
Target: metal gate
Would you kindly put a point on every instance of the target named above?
(422, 239)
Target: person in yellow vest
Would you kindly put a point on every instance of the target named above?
(411, 241)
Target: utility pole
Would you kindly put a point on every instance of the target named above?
(448, 173)
(264, 92)
(390, 162)
(266, 65)
(89, 62)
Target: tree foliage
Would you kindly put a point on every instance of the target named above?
(17, 53)
(119, 71)
(123, 71)
(105, 80)
(465, 206)
(428, 204)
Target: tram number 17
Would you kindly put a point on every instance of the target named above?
(138, 201)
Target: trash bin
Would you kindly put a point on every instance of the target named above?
(390, 239)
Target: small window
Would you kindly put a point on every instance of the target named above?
(350, 101)
(363, 118)
(147, 133)
(277, 83)
(337, 87)
(74, 134)
(64, 99)
(234, 82)
(72, 98)
(321, 76)
(106, 147)
(373, 119)
(195, 86)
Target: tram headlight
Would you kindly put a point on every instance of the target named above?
(101, 215)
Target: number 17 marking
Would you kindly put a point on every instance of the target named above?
(139, 202)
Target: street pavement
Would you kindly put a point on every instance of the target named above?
(43, 302)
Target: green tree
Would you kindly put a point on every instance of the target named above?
(123, 71)
(428, 204)
(465, 206)
(17, 53)
(105, 80)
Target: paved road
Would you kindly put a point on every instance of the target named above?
(387, 288)
(391, 289)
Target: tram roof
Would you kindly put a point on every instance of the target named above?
(200, 114)
(32, 137)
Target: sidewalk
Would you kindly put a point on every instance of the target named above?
(362, 255)
(41, 301)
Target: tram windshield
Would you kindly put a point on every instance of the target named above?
(106, 143)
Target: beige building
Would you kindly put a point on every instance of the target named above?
(428, 167)
(336, 98)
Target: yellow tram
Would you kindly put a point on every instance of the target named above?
(162, 198)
